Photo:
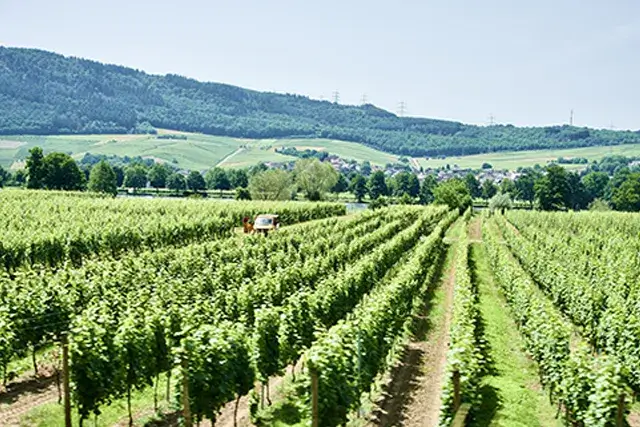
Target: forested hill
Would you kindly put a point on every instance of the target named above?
(47, 93)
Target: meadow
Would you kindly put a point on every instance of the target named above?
(511, 160)
(202, 152)
(197, 152)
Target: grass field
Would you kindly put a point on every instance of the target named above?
(513, 159)
(200, 152)
(197, 152)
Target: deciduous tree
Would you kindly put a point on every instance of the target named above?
(314, 178)
(35, 168)
(596, 183)
(453, 193)
(217, 179)
(358, 187)
(489, 189)
(274, 184)
(627, 196)
(552, 190)
(406, 183)
(4, 176)
(525, 186)
(377, 185)
(341, 184)
(61, 172)
(135, 176)
(426, 189)
(102, 179)
(238, 178)
(195, 181)
(176, 182)
(157, 175)
(473, 185)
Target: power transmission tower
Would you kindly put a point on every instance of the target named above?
(571, 118)
(611, 126)
(491, 119)
(364, 99)
(402, 108)
(336, 96)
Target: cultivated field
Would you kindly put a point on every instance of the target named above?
(201, 152)
(407, 315)
(511, 160)
(198, 152)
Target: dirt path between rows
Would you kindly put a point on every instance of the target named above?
(414, 396)
(475, 231)
(32, 394)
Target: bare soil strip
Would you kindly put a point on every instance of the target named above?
(14, 404)
(413, 398)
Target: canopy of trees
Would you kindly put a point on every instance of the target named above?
(55, 171)
(47, 93)
(4, 176)
(102, 179)
(314, 178)
(273, 184)
(176, 182)
(453, 193)
(135, 177)
(195, 181)
(157, 175)
(377, 185)
(217, 179)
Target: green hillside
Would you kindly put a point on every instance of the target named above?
(201, 152)
(511, 160)
(197, 151)
(44, 93)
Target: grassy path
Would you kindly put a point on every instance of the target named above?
(511, 392)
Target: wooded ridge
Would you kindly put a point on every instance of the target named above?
(46, 93)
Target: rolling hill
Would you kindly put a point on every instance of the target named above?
(44, 93)
(201, 152)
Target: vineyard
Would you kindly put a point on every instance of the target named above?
(158, 312)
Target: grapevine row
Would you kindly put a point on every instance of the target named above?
(280, 334)
(587, 388)
(39, 304)
(352, 353)
(590, 268)
(464, 357)
(49, 229)
(94, 333)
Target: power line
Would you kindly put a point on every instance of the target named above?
(402, 108)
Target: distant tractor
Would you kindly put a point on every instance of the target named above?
(262, 224)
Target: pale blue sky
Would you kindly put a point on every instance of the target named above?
(527, 63)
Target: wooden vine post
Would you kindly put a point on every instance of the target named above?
(456, 391)
(186, 406)
(460, 410)
(314, 399)
(620, 413)
(65, 381)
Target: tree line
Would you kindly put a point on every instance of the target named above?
(46, 93)
(611, 183)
